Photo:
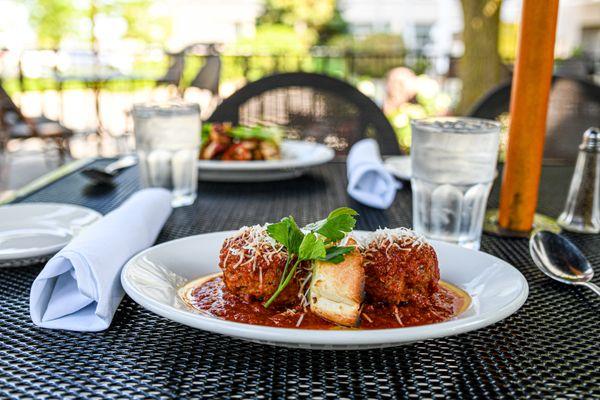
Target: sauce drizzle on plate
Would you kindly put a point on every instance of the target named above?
(210, 296)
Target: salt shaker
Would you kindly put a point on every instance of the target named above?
(581, 213)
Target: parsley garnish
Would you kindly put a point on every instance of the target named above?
(316, 244)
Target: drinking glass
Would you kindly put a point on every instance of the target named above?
(453, 167)
(167, 137)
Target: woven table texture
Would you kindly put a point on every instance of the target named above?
(548, 349)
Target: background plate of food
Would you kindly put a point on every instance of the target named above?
(255, 154)
(324, 286)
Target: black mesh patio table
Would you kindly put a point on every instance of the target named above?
(550, 348)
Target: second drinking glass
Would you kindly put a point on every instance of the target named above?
(453, 167)
(167, 138)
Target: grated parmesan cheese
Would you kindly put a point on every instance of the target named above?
(257, 244)
(402, 239)
(397, 316)
(300, 320)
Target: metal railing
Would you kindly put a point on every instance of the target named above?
(40, 69)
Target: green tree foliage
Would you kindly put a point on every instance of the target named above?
(141, 24)
(375, 43)
(507, 46)
(335, 27)
(275, 47)
(276, 39)
(319, 20)
(53, 20)
(373, 55)
(481, 66)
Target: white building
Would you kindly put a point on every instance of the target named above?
(435, 25)
(578, 27)
(428, 25)
(206, 21)
(15, 31)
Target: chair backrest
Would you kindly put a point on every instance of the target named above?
(209, 76)
(574, 106)
(311, 107)
(579, 67)
(9, 111)
(175, 71)
(6, 103)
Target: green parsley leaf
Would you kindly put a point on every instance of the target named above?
(338, 223)
(270, 133)
(335, 228)
(205, 132)
(287, 233)
(335, 254)
(311, 248)
(341, 211)
(280, 231)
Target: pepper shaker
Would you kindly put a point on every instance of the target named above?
(581, 213)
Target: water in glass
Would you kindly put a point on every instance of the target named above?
(453, 167)
(167, 142)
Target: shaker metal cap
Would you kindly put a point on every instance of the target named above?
(591, 140)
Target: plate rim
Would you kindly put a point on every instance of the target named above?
(291, 337)
(323, 155)
(48, 250)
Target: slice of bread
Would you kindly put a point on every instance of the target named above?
(337, 290)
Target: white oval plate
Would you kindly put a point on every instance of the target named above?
(399, 166)
(40, 229)
(152, 278)
(296, 157)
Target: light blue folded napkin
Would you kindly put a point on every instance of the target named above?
(368, 180)
(79, 289)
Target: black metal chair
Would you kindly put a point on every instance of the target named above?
(14, 125)
(174, 71)
(209, 76)
(574, 106)
(578, 67)
(311, 107)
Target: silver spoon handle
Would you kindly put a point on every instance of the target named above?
(121, 163)
(594, 287)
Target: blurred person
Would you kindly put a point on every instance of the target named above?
(408, 97)
(400, 88)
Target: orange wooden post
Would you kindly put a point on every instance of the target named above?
(528, 109)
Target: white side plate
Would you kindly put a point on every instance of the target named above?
(40, 229)
(152, 277)
(296, 157)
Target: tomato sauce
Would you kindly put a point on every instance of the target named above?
(212, 297)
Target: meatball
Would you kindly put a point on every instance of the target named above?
(252, 265)
(399, 267)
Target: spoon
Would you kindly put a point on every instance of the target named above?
(561, 260)
(107, 174)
